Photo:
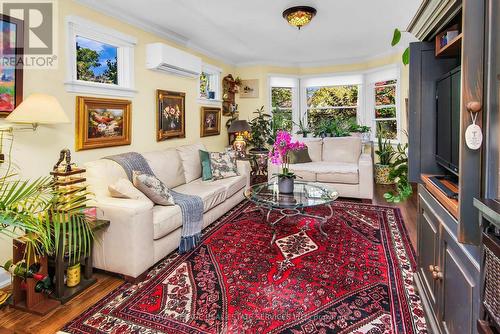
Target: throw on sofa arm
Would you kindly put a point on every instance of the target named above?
(365, 176)
(126, 247)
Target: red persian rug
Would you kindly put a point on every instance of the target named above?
(358, 279)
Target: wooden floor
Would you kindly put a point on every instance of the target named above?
(13, 321)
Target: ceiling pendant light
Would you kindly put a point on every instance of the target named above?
(299, 16)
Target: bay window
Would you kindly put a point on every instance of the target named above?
(385, 109)
(334, 102)
(284, 101)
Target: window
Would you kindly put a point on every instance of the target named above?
(334, 102)
(282, 106)
(209, 84)
(100, 60)
(385, 109)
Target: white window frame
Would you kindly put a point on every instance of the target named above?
(286, 81)
(215, 74)
(365, 80)
(77, 26)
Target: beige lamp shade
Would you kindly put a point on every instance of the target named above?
(39, 109)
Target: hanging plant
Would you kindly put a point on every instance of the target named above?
(396, 38)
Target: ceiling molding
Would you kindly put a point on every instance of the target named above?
(325, 63)
(165, 33)
(432, 16)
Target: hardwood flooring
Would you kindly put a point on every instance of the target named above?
(14, 321)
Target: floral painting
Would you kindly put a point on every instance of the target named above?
(11, 72)
(102, 122)
(210, 121)
(170, 115)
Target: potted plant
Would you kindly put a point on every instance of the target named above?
(385, 153)
(260, 131)
(303, 128)
(321, 129)
(399, 174)
(360, 130)
(338, 128)
(279, 156)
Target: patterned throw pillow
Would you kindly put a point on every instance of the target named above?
(223, 164)
(153, 188)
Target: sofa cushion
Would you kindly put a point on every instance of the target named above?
(123, 188)
(304, 175)
(232, 184)
(211, 193)
(167, 166)
(330, 172)
(314, 147)
(153, 188)
(299, 156)
(342, 149)
(191, 162)
(165, 220)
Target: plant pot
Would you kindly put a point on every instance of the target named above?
(285, 184)
(382, 174)
(73, 275)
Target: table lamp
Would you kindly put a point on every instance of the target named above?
(38, 109)
(239, 127)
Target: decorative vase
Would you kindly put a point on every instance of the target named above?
(285, 184)
(73, 275)
(382, 174)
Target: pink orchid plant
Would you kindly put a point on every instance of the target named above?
(279, 152)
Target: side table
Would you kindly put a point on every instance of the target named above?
(60, 263)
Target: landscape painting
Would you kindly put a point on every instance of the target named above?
(249, 88)
(170, 115)
(96, 61)
(102, 122)
(11, 72)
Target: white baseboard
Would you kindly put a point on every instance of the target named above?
(4, 278)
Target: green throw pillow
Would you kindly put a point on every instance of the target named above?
(206, 167)
(299, 156)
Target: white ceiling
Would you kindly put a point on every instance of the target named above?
(254, 31)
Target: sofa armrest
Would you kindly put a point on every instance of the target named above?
(365, 167)
(244, 168)
(126, 246)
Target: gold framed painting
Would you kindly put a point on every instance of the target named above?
(210, 121)
(170, 115)
(102, 122)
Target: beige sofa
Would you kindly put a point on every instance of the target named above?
(337, 162)
(140, 233)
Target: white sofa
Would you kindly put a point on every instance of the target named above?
(337, 162)
(140, 233)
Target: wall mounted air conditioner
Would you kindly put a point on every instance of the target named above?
(165, 58)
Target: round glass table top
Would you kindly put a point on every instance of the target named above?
(305, 194)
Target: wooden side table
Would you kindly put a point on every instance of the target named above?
(60, 263)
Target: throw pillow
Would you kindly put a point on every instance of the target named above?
(223, 164)
(123, 188)
(206, 168)
(153, 188)
(299, 157)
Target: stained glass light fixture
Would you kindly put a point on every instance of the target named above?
(299, 16)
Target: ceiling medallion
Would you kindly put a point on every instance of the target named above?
(299, 16)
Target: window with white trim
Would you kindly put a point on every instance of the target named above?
(100, 59)
(284, 101)
(385, 111)
(332, 102)
(209, 84)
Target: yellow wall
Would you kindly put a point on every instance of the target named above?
(36, 152)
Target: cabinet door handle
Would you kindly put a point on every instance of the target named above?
(474, 106)
(437, 275)
(431, 268)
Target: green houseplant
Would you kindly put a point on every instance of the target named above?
(385, 153)
(46, 219)
(399, 174)
(303, 127)
(261, 131)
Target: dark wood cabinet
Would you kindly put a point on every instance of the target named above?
(448, 272)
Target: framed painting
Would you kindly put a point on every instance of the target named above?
(102, 122)
(210, 121)
(171, 115)
(11, 69)
(249, 88)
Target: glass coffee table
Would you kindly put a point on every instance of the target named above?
(268, 199)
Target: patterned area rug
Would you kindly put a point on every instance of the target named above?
(358, 279)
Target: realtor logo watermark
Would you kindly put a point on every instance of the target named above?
(39, 40)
